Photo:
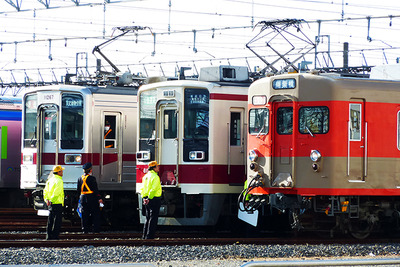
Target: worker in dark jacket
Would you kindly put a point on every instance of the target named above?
(90, 200)
(151, 195)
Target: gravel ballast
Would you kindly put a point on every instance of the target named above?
(228, 255)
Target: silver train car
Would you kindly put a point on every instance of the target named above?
(70, 125)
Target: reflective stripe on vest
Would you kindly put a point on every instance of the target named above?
(84, 185)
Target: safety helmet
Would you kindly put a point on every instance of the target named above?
(58, 168)
(153, 164)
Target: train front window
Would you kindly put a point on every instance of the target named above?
(196, 113)
(30, 122)
(258, 121)
(147, 113)
(314, 120)
(72, 121)
(284, 120)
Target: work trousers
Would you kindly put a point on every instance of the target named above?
(54, 221)
(152, 212)
(90, 213)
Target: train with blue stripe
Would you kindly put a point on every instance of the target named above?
(10, 152)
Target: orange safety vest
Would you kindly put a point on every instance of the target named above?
(85, 185)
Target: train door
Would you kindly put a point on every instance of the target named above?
(236, 138)
(283, 144)
(168, 144)
(356, 142)
(48, 125)
(111, 158)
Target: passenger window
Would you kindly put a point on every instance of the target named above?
(235, 129)
(355, 122)
(314, 120)
(110, 131)
(284, 122)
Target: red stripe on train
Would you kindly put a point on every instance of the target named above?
(200, 174)
(228, 97)
(49, 158)
(329, 191)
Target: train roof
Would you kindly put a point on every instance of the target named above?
(318, 87)
(87, 89)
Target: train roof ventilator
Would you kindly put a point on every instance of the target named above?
(224, 73)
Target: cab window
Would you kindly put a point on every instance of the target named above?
(72, 121)
(314, 120)
(258, 121)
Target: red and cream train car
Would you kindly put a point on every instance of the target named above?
(195, 130)
(326, 145)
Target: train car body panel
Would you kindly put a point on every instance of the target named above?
(10, 140)
(195, 131)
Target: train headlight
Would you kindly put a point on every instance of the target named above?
(73, 158)
(197, 155)
(143, 155)
(253, 156)
(315, 155)
(28, 159)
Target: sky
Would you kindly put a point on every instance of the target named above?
(39, 43)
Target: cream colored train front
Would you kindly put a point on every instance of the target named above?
(196, 130)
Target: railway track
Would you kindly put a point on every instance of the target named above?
(16, 226)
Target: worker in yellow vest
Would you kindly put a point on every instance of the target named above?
(90, 200)
(151, 195)
(53, 195)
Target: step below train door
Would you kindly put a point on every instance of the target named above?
(282, 130)
(357, 143)
(48, 136)
(167, 148)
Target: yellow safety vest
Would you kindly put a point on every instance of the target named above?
(54, 190)
(85, 185)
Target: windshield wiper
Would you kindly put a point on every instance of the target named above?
(309, 131)
(262, 129)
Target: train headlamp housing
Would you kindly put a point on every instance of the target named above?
(315, 155)
(73, 158)
(143, 155)
(197, 155)
(28, 158)
(253, 155)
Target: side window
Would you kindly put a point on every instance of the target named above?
(314, 120)
(355, 122)
(284, 122)
(110, 131)
(235, 129)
